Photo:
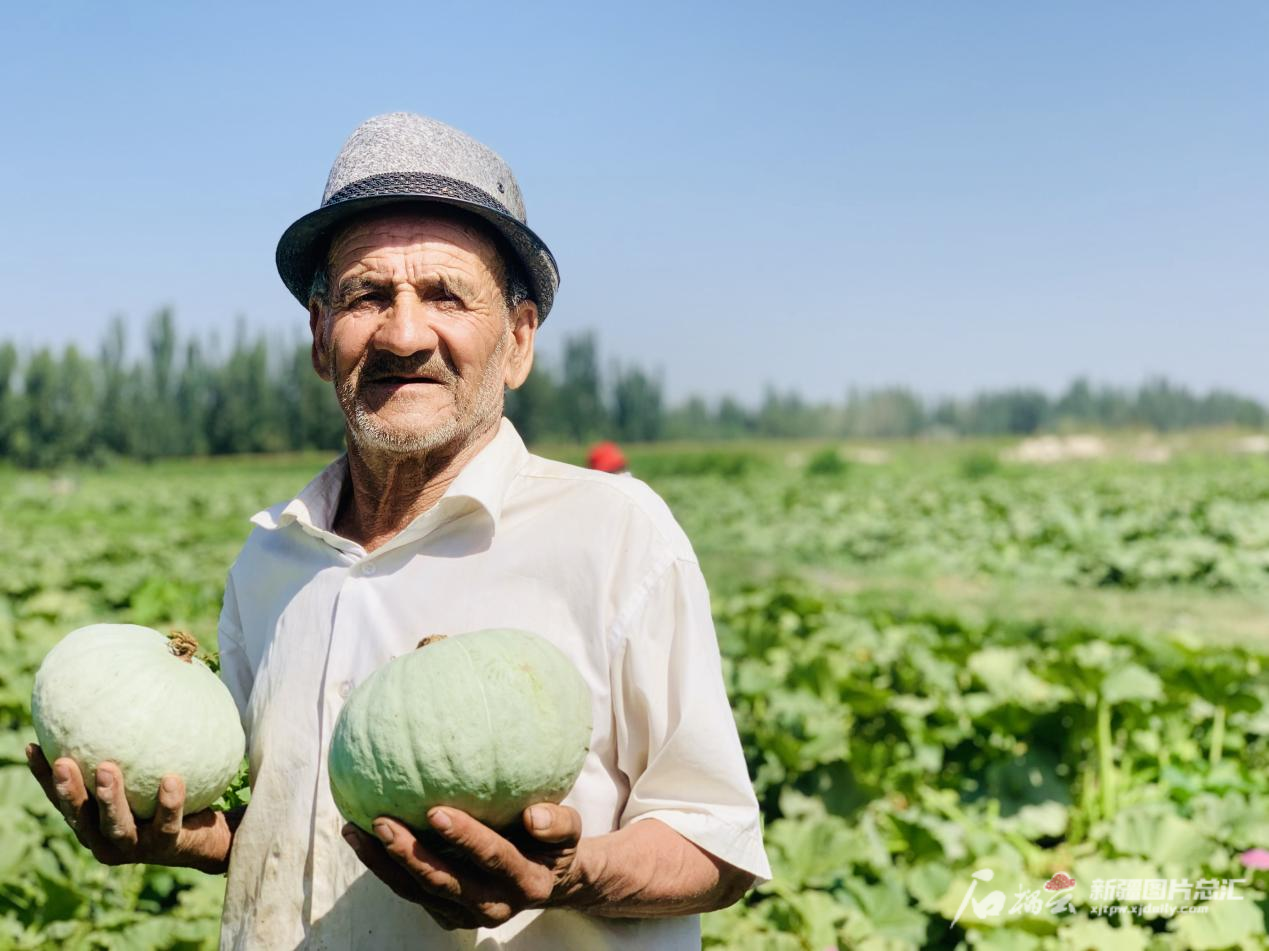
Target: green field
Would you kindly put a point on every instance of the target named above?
(939, 663)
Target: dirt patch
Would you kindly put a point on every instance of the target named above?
(1050, 449)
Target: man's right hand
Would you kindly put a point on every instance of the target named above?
(105, 825)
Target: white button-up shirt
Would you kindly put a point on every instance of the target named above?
(594, 563)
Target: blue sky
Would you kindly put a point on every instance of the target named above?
(812, 196)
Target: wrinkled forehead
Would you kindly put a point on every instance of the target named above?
(381, 232)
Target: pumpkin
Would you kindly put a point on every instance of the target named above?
(143, 701)
(488, 722)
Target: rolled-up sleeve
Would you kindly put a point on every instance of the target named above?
(677, 740)
(235, 668)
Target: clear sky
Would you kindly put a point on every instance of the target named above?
(948, 195)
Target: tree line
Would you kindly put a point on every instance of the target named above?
(188, 398)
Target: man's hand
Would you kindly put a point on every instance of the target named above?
(107, 828)
(467, 875)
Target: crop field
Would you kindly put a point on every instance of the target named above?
(942, 664)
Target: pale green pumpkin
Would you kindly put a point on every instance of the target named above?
(488, 722)
(141, 700)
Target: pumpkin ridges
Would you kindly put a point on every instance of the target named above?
(491, 741)
(417, 717)
(109, 692)
(405, 765)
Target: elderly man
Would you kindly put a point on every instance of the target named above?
(425, 289)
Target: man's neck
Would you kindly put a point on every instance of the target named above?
(385, 492)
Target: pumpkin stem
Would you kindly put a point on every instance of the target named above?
(430, 638)
(183, 645)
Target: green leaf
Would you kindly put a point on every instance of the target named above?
(1154, 830)
(1045, 820)
(19, 788)
(883, 911)
(1008, 876)
(812, 852)
(1241, 822)
(1089, 871)
(928, 882)
(13, 749)
(1132, 682)
(21, 836)
(1005, 673)
(1097, 934)
(1226, 924)
(1003, 939)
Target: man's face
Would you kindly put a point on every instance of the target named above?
(417, 338)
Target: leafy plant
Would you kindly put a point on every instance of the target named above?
(897, 743)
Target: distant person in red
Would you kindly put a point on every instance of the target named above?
(606, 457)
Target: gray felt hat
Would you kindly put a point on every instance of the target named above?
(403, 157)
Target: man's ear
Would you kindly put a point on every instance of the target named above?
(524, 328)
(317, 326)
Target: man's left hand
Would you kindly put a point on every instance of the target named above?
(465, 874)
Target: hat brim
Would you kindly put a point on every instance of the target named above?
(302, 247)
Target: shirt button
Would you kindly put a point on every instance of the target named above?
(368, 569)
(345, 689)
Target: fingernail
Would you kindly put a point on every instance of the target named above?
(439, 820)
(61, 774)
(103, 780)
(541, 818)
(169, 785)
(384, 832)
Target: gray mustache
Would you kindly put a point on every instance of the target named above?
(378, 371)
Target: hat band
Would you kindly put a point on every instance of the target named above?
(420, 184)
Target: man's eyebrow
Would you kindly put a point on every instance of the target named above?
(449, 283)
(454, 284)
(351, 285)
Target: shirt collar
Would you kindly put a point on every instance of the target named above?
(484, 481)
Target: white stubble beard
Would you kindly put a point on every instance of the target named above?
(469, 417)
